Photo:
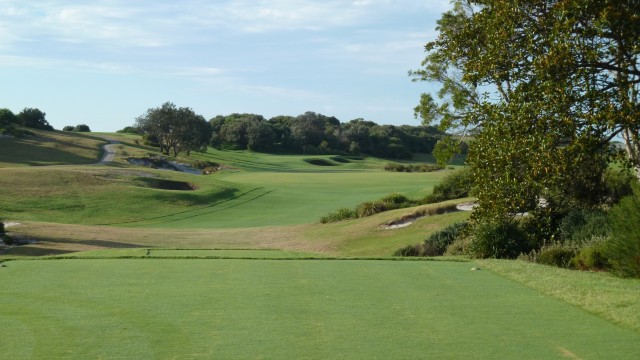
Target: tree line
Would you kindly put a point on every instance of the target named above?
(176, 129)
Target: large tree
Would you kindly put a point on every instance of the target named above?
(34, 118)
(546, 86)
(175, 129)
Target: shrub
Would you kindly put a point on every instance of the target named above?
(459, 246)
(555, 255)
(67, 128)
(339, 215)
(409, 250)
(437, 243)
(369, 208)
(580, 225)
(623, 247)
(591, 258)
(454, 186)
(411, 167)
(503, 239)
(82, 128)
(397, 201)
(618, 184)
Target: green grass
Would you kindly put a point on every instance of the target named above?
(186, 308)
(50, 148)
(261, 190)
(361, 237)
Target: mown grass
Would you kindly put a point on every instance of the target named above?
(50, 148)
(362, 237)
(186, 308)
(260, 190)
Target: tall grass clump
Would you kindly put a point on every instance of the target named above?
(411, 167)
(623, 247)
(339, 215)
(368, 208)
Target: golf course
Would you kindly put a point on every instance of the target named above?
(120, 261)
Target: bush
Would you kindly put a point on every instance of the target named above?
(67, 128)
(409, 250)
(411, 167)
(456, 185)
(498, 240)
(397, 201)
(339, 215)
(581, 225)
(369, 208)
(623, 247)
(459, 246)
(618, 184)
(82, 128)
(437, 243)
(591, 258)
(555, 255)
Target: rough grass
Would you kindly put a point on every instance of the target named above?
(191, 308)
(50, 148)
(599, 293)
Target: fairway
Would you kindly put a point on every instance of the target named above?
(233, 308)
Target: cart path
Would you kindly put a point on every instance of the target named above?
(109, 151)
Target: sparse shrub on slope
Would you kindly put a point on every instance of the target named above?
(339, 215)
(436, 244)
(369, 208)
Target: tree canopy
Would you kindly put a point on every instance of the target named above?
(545, 86)
(34, 118)
(175, 129)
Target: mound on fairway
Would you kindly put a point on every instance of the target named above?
(320, 162)
(312, 309)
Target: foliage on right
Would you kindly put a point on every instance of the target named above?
(544, 88)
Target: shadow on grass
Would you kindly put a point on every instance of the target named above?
(27, 151)
(52, 246)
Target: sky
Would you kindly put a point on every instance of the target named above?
(105, 62)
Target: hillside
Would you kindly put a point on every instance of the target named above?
(260, 201)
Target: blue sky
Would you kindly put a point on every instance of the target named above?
(105, 62)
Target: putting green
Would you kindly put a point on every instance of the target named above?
(232, 308)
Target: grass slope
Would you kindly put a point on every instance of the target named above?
(50, 148)
(181, 308)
